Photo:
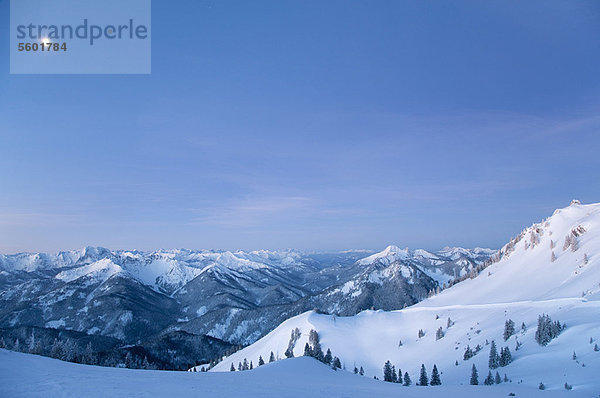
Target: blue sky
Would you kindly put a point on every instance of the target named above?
(310, 124)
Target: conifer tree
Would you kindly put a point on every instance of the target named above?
(336, 363)
(474, 376)
(494, 359)
(505, 356)
(547, 330)
(497, 378)
(355, 370)
(261, 362)
(328, 357)
(232, 368)
(399, 378)
(251, 366)
(361, 371)
(272, 357)
(423, 380)
(435, 377)
(387, 371)
(468, 353)
(307, 350)
(509, 329)
(394, 376)
(439, 333)
(489, 380)
(128, 360)
(31, 343)
(315, 345)
(89, 357)
(407, 380)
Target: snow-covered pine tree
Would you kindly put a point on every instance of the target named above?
(394, 375)
(489, 380)
(355, 370)
(261, 361)
(423, 380)
(474, 376)
(315, 345)
(596, 348)
(439, 333)
(232, 368)
(307, 350)
(399, 378)
(468, 353)
(387, 371)
(294, 336)
(435, 377)
(449, 324)
(552, 257)
(251, 366)
(336, 363)
(272, 357)
(89, 356)
(56, 349)
(497, 378)
(568, 386)
(239, 366)
(361, 371)
(128, 360)
(421, 333)
(505, 357)
(31, 343)
(547, 330)
(407, 380)
(509, 329)
(518, 345)
(70, 351)
(494, 359)
(328, 357)
(574, 355)
(17, 345)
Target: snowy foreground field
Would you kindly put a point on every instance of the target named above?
(25, 375)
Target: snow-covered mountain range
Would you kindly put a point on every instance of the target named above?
(551, 268)
(237, 297)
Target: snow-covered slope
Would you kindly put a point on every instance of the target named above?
(25, 375)
(524, 281)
